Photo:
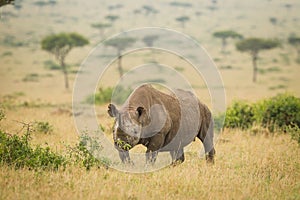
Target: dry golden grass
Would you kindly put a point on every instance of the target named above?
(247, 167)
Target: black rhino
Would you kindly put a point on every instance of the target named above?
(161, 122)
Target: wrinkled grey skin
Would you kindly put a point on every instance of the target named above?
(161, 122)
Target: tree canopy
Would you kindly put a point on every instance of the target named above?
(60, 45)
(227, 34)
(149, 39)
(120, 44)
(224, 35)
(149, 9)
(182, 20)
(112, 18)
(101, 27)
(295, 41)
(256, 44)
(253, 46)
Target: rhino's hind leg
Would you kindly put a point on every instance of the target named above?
(206, 135)
(210, 156)
(177, 156)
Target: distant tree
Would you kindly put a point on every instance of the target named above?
(183, 20)
(6, 2)
(295, 41)
(149, 9)
(60, 45)
(52, 2)
(273, 20)
(180, 4)
(149, 40)
(112, 18)
(224, 35)
(115, 7)
(120, 44)
(253, 46)
(136, 11)
(214, 1)
(101, 27)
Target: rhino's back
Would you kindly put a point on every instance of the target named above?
(187, 123)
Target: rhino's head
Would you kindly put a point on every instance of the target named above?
(128, 125)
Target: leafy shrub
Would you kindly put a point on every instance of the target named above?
(43, 127)
(281, 110)
(274, 113)
(16, 151)
(239, 115)
(11, 41)
(6, 53)
(83, 153)
(294, 130)
(103, 96)
(10, 101)
(219, 121)
(2, 114)
(49, 64)
(121, 94)
(33, 77)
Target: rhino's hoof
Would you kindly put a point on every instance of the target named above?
(210, 160)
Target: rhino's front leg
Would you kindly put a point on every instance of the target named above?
(124, 156)
(151, 156)
(153, 148)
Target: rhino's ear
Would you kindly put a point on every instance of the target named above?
(140, 111)
(112, 110)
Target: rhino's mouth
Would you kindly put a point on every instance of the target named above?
(121, 144)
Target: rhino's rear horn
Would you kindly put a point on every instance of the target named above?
(112, 110)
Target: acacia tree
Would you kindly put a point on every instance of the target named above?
(295, 41)
(254, 46)
(112, 18)
(101, 27)
(60, 45)
(120, 44)
(224, 35)
(149, 9)
(183, 20)
(149, 40)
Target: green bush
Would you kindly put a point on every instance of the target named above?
(2, 114)
(280, 111)
(294, 130)
(83, 153)
(121, 94)
(43, 127)
(49, 64)
(33, 77)
(239, 115)
(105, 95)
(16, 151)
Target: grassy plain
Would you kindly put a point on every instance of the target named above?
(248, 165)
